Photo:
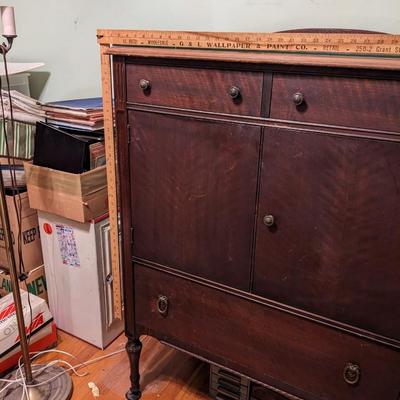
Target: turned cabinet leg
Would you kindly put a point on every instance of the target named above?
(134, 348)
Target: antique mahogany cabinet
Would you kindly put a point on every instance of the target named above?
(260, 209)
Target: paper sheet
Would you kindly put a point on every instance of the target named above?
(16, 67)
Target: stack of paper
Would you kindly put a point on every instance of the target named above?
(25, 109)
(86, 114)
(13, 175)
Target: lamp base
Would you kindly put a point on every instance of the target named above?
(59, 388)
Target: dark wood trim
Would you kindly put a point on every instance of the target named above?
(351, 62)
(266, 95)
(272, 388)
(122, 138)
(271, 68)
(360, 333)
(272, 123)
(208, 358)
(253, 250)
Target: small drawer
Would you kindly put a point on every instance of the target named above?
(230, 92)
(351, 102)
(282, 350)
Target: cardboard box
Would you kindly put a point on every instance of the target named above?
(36, 283)
(80, 197)
(31, 247)
(41, 328)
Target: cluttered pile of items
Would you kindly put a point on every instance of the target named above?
(53, 167)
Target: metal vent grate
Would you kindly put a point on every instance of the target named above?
(225, 385)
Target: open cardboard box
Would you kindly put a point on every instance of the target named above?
(80, 197)
(35, 283)
(30, 236)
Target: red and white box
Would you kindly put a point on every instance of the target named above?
(41, 328)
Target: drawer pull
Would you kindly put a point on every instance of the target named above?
(298, 99)
(269, 220)
(234, 92)
(352, 373)
(144, 84)
(162, 305)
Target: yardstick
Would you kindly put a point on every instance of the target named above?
(111, 178)
(373, 44)
(361, 44)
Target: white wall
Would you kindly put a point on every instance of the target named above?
(63, 33)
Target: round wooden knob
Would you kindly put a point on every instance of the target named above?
(298, 98)
(144, 84)
(269, 220)
(234, 92)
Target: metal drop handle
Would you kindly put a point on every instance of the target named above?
(352, 373)
(144, 84)
(162, 305)
(234, 92)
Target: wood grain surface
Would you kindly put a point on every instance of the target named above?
(354, 102)
(166, 373)
(289, 353)
(194, 185)
(195, 88)
(388, 64)
(334, 250)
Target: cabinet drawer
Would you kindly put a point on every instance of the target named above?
(194, 88)
(352, 102)
(270, 345)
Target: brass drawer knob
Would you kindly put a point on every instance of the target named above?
(234, 92)
(162, 305)
(298, 99)
(269, 220)
(352, 374)
(144, 84)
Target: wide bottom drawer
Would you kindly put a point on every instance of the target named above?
(289, 352)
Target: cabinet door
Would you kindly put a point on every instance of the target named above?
(334, 247)
(193, 185)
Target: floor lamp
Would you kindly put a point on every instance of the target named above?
(41, 382)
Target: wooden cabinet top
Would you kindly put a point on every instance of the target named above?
(352, 62)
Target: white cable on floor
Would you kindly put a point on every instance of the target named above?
(21, 381)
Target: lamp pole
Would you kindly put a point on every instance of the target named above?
(7, 14)
(5, 221)
(53, 382)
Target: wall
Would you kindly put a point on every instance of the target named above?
(63, 33)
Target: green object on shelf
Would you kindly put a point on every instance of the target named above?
(20, 143)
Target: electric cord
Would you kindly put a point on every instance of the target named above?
(20, 379)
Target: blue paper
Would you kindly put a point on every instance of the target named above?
(79, 104)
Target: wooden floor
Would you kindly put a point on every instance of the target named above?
(166, 373)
